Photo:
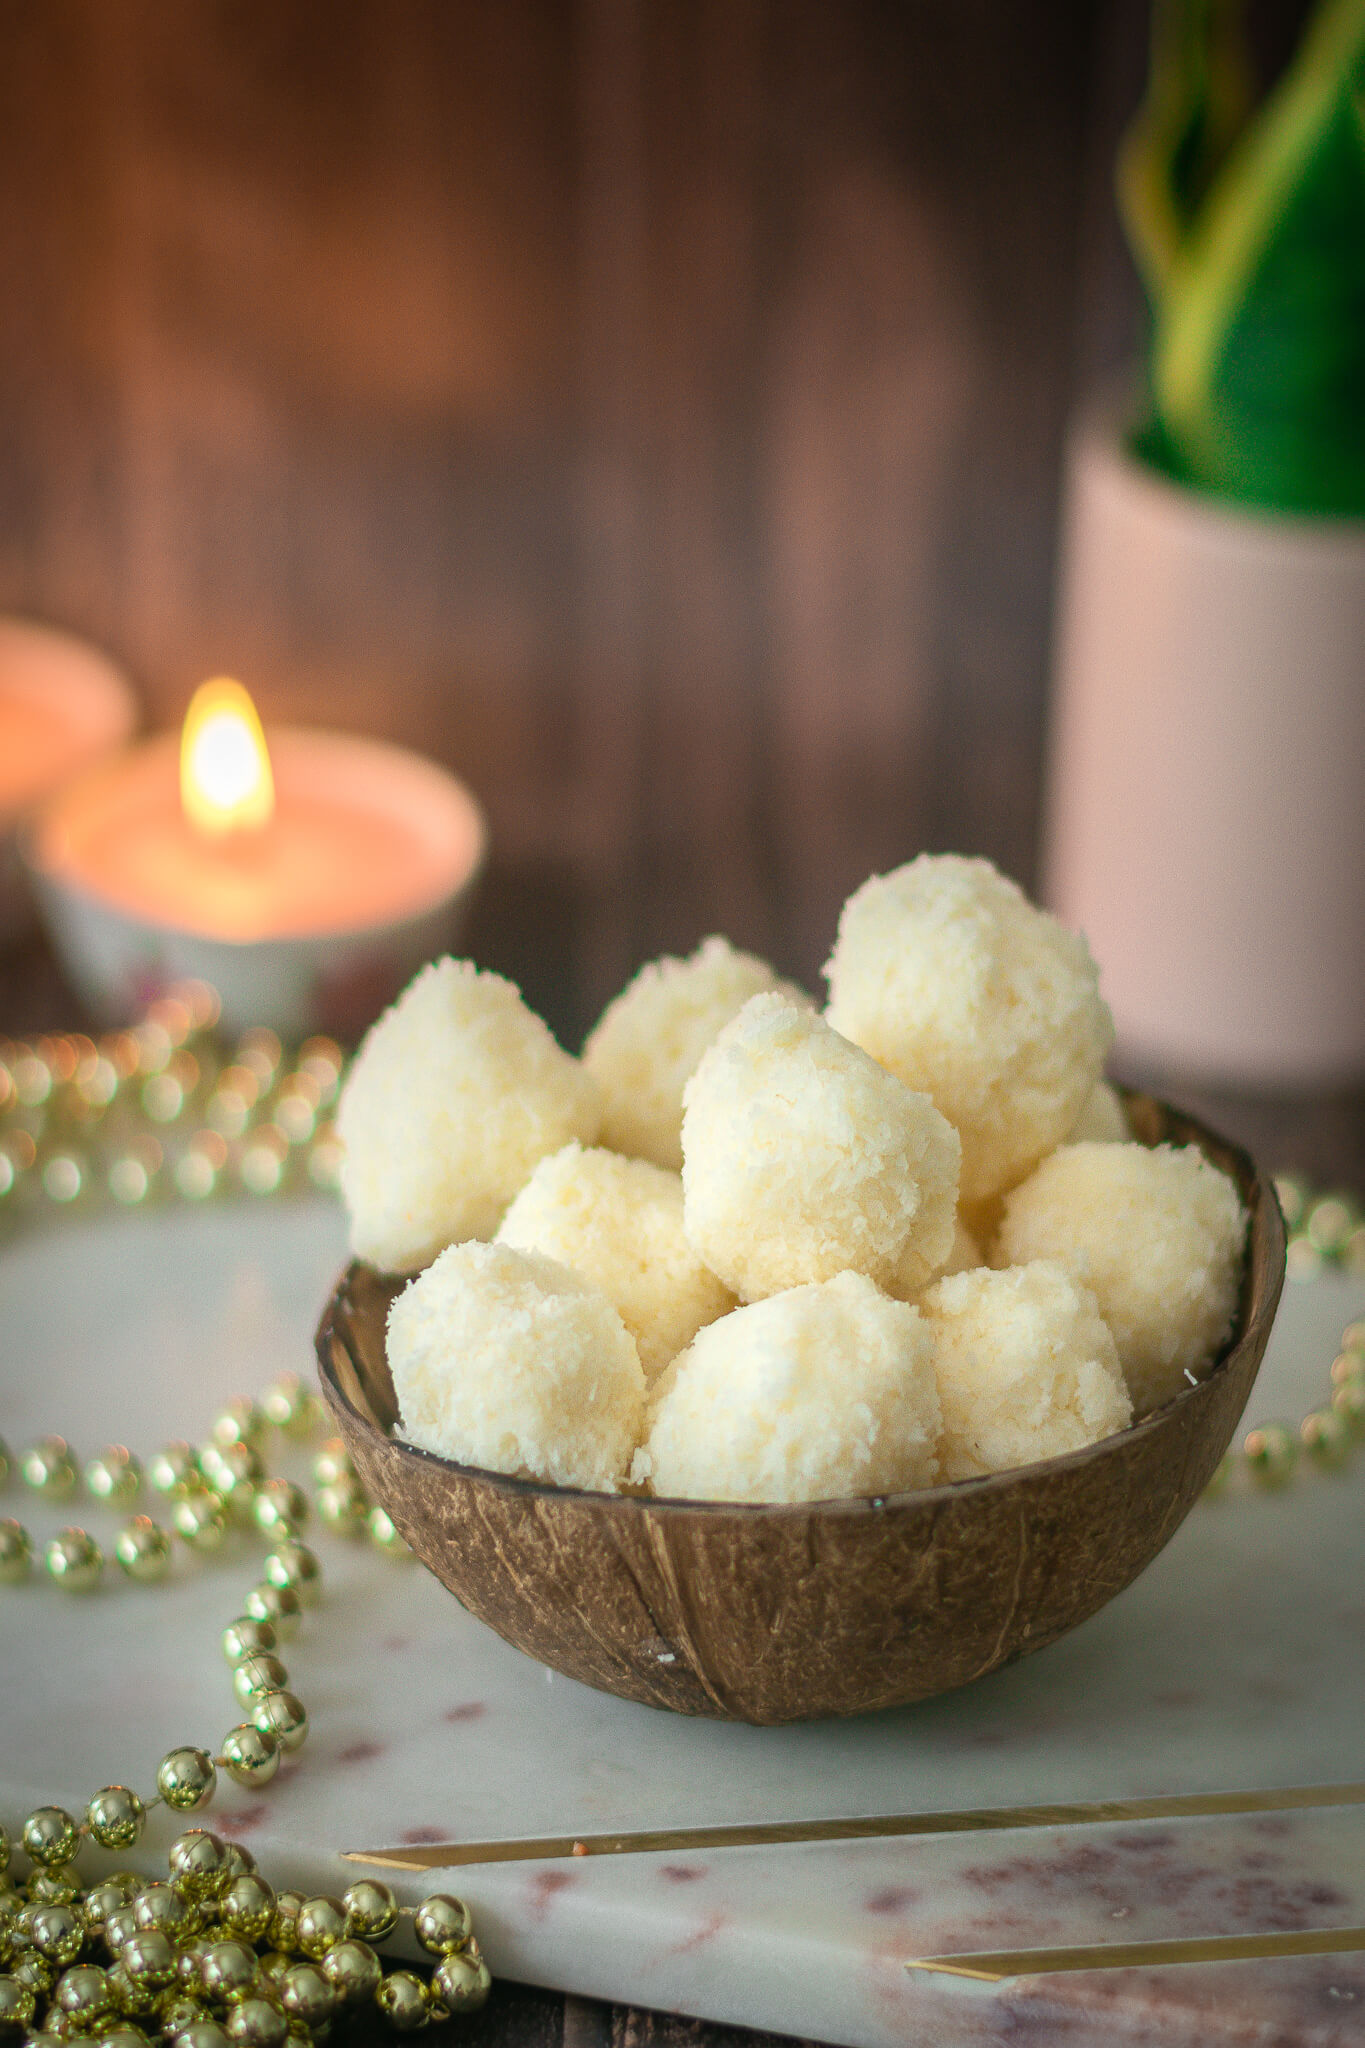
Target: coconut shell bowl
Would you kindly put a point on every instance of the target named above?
(789, 1613)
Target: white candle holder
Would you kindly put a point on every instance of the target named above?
(334, 978)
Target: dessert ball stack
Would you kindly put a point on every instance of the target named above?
(742, 1251)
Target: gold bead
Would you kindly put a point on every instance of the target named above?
(1347, 1365)
(385, 1535)
(306, 1995)
(174, 1470)
(58, 1933)
(247, 1637)
(246, 1909)
(441, 1924)
(284, 1928)
(256, 1676)
(232, 1473)
(36, 1972)
(48, 1468)
(124, 2035)
(240, 1422)
(332, 1462)
(199, 1863)
(371, 1909)
(109, 1896)
(120, 1926)
(240, 1861)
(143, 1549)
(186, 1779)
(199, 1521)
(279, 1509)
(257, 2023)
(162, 1909)
(58, 1886)
(1353, 1338)
(1348, 1401)
(279, 1605)
(50, 1836)
(250, 1756)
(1271, 1452)
(271, 1967)
(353, 1970)
(343, 1507)
(16, 1552)
(17, 2005)
(228, 1971)
(115, 1817)
(282, 1717)
(321, 1924)
(1326, 1437)
(292, 1406)
(294, 1565)
(180, 2011)
(189, 1965)
(114, 1476)
(148, 1960)
(462, 1983)
(402, 1998)
(74, 1561)
(83, 1992)
(205, 2033)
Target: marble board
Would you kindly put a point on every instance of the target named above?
(1236, 1663)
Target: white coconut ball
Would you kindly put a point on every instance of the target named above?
(455, 1094)
(649, 1040)
(508, 1361)
(947, 974)
(1026, 1368)
(1103, 1121)
(1156, 1234)
(619, 1222)
(803, 1158)
(822, 1393)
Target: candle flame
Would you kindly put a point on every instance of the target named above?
(225, 779)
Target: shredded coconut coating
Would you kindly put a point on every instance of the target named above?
(455, 1094)
(508, 1361)
(649, 1040)
(1157, 1235)
(803, 1158)
(947, 974)
(1103, 1121)
(822, 1393)
(1026, 1368)
(619, 1222)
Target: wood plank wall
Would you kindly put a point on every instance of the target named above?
(652, 408)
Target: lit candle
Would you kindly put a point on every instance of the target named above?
(305, 876)
(62, 703)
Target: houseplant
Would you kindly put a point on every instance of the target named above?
(1205, 822)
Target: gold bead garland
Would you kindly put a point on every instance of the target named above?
(1326, 1233)
(215, 1956)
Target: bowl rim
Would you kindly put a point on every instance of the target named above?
(1259, 1297)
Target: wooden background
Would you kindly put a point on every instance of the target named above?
(652, 410)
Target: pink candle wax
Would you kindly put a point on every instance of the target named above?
(62, 703)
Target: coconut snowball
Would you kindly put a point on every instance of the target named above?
(1103, 1121)
(455, 1094)
(650, 1039)
(619, 1222)
(947, 974)
(802, 1158)
(821, 1393)
(1157, 1235)
(508, 1361)
(1026, 1368)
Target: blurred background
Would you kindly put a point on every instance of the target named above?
(654, 412)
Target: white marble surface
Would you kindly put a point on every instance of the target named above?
(1237, 1661)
